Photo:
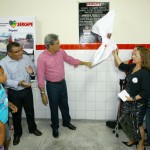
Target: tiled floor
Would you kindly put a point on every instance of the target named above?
(90, 135)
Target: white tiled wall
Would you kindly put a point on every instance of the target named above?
(92, 92)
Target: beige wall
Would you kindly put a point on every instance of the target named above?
(132, 23)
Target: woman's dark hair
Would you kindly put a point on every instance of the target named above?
(145, 55)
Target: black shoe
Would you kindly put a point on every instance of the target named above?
(55, 133)
(36, 132)
(145, 130)
(111, 124)
(70, 126)
(129, 145)
(16, 140)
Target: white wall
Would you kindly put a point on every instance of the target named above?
(92, 92)
(61, 17)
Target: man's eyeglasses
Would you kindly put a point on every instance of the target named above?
(15, 52)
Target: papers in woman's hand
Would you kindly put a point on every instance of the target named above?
(123, 95)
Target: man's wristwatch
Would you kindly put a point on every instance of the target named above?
(42, 92)
(32, 74)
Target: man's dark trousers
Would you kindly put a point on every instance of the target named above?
(22, 98)
(58, 97)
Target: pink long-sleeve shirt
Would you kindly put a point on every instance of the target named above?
(50, 67)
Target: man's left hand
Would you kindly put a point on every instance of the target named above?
(13, 107)
(29, 69)
(88, 64)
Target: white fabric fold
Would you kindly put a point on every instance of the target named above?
(103, 27)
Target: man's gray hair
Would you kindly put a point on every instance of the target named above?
(50, 39)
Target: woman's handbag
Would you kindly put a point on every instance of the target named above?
(129, 124)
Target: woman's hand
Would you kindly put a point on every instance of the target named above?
(129, 99)
(115, 52)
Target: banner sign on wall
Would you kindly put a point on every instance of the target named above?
(18, 29)
(89, 13)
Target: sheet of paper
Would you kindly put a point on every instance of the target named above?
(123, 95)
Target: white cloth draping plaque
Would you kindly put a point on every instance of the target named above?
(103, 27)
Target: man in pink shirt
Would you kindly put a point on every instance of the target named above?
(50, 67)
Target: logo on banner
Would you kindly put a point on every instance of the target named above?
(13, 24)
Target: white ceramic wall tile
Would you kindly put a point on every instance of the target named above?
(80, 115)
(80, 96)
(101, 76)
(70, 75)
(71, 96)
(102, 67)
(90, 76)
(118, 88)
(121, 75)
(112, 76)
(90, 86)
(80, 106)
(41, 113)
(90, 106)
(48, 114)
(80, 86)
(111, 115)
(100, 106)
(71, 86)
(90, 96)
(80, 76)
(111, 106)
(72, 105)
(101, 96)
(73, 114)
(100, 115)
(112, 96)
(101, 86)
(40, 105)
(111, 67)
(90, 115)
(112, 86)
